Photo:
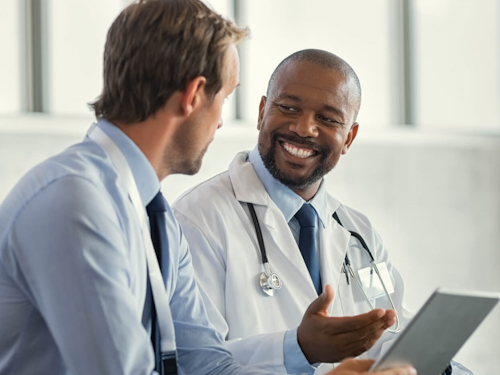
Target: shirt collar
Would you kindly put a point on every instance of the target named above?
(144, 175)
(287, 200)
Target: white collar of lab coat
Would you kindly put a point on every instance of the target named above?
(246, 184)
(249, 189)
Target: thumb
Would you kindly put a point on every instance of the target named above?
(320, 305)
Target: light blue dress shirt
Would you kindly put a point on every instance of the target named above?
(73, 273)
(286, 199)
(289, 204)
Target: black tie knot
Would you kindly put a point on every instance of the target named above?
(306, 216)
(158, 204)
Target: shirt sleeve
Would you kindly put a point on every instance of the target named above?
(200, 347)
(75, 258)
(295, 360)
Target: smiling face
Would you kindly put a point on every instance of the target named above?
(306, 124)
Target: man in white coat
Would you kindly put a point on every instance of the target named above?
(306, 122)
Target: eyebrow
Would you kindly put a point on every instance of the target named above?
(334, 110)
(326, 107)
(288, 96)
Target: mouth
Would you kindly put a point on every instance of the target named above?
(298, 151)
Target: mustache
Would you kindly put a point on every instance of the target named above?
(307, 143)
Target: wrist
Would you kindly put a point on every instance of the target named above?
(305, 347)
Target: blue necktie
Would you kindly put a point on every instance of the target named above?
(307, 242)
(156, 212)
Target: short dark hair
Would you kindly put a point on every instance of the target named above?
(155, 48)
(325, 59)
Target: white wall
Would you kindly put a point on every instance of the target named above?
(362, 32)
(10, 61)
(434, 198)
(77, 34)
(457, 64)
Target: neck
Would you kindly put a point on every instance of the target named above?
(309, 192)
(152, 139)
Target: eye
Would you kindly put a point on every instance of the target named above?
(327, 119)
(287, 109)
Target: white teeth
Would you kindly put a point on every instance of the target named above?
(297, 152)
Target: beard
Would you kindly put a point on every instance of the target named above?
(186, 158)
(299, 183)
(192, 166)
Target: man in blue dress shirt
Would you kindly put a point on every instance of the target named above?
(74, 292)
(73, 275)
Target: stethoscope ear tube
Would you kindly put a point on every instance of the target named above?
(347, 268)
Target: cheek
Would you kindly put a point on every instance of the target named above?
(266, 129)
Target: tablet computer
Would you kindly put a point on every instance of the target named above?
(438, 331)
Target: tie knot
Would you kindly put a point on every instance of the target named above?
(306, 216)
(158, 204)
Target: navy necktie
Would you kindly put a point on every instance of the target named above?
(307, 219)
(156, 212)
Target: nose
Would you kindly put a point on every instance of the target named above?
(219, 125)
(305, 126)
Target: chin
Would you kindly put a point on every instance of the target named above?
(193, 167)
(294, 175)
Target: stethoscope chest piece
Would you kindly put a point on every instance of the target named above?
(269, 283)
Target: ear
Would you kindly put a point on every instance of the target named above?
(350, 137)
(193, 96)
(262, 107)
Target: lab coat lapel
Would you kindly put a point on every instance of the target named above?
(286, 256)
(334, 241)
(246, 184)
(282, 250)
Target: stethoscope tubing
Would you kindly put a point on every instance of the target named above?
(260, 239)
(346, 265)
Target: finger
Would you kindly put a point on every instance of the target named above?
(397, 371)
(390, 313)
(320, 304)
(357, 365)
(359, 341)
(353, 323)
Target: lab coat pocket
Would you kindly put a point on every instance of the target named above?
(347, 304)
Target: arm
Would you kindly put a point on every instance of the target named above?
(200, 346)
(71, 249)
(319, 338)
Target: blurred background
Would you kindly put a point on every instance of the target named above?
(425, 166)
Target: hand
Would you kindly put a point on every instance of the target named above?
(360, 367)
(331, 339)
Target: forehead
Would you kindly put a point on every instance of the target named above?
(314, 83)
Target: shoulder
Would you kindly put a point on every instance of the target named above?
(354, 220)
(210, 195)
(68, 182)
(351, 218)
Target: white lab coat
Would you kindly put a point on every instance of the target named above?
(227, 260)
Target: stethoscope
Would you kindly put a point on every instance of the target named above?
(270, 281)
